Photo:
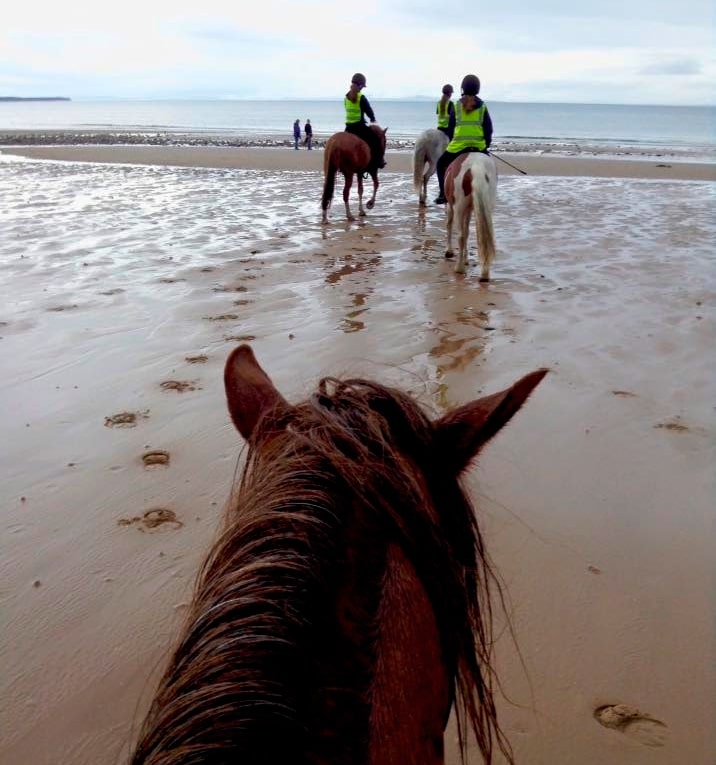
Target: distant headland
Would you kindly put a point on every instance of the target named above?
(36, 98)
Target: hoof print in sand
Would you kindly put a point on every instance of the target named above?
(223, 317)
(631, 722)
(125, 419)
(156, 458)
(202, 359)
(674, 426)
(180, 386)
(153, 519)
(60, 308)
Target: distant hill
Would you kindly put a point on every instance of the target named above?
(38, 98)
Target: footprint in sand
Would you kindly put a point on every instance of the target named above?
(115, 291)
(59, 308)
(125, 419)
(224, 288)
(156, 458)
(240, 338)
(201, 359)
(180, 386)
(631, 722)
(624, 393)
(223, 317)
(153, 519)
(674, 425)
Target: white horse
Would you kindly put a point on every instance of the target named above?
(430, 145)
(471, 185)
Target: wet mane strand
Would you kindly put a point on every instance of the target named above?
(235, 685)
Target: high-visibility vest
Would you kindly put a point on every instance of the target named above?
(443, 112)
(468, 130)
(353, 114)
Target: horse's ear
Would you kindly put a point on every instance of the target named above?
(385, 130)
(249, 390)
(460, 434)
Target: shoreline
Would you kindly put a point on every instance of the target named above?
(265, 158)
(141, 136)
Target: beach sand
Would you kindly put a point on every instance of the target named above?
(123, 288)
(397, 161)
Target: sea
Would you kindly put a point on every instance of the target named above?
(681, 132)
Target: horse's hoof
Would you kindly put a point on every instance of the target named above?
(362, 213)
(449, 254)
(484, 278)
(421, 202)
(459, 270)
(350, 217)
(370, 204)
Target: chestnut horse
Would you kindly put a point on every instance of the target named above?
(471, 186)
(347, 153)
(346, 606)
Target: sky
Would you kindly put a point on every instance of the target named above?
(581, 51)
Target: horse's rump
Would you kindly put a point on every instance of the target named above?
(451, 174)
(345, 152)
(430, 145)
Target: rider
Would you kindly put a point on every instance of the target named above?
(473, 129)
(445, 111)
(357, 108)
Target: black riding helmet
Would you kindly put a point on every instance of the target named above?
(447, 90)
(470, 85)
(358, 79)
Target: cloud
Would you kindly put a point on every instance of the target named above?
(681, 67)
(173, 48)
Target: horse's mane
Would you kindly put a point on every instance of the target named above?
(236, 687)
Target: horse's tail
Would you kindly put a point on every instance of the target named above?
(329, 179)
(419, 160)
(484, 191)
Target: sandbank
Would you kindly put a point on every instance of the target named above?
(257, 158)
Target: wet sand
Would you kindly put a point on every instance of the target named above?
(253, 158)
(122, 290)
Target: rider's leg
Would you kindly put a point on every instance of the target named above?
(443, 163)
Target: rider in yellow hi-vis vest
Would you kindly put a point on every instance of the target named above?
(473, 129)
(357, 108)
(445, 110)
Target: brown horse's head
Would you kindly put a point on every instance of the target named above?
(380, 132)
(346, 605)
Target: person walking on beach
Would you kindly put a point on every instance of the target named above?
(446, 111)
(357, 109)
(472, 126)
(296, 134)
(308, 132)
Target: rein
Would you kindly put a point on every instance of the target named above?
(492, 154)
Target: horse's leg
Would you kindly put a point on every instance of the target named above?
(374, 175)
(449, 253)
(361, 211)
(464, 217)
(429, 172)
(346, 193)
(424, 190)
